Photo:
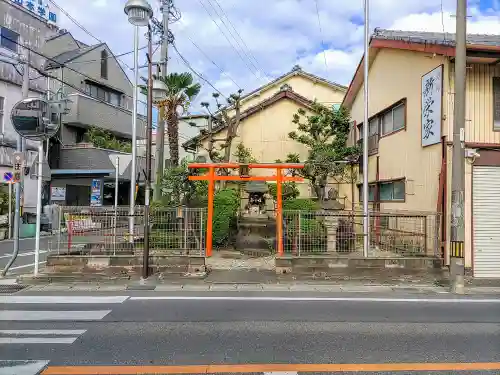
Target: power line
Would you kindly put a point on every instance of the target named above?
(239, 35)
(72, 19)
(186, 62)
(109, 57)
(45, 74)
(230, 33)
(229, 41)
(321, 33)
(213, 62)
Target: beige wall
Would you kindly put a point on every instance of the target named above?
(266, 134)
(395, 75)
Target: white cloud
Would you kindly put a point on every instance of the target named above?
(273, 35)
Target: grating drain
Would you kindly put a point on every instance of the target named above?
(9, 289)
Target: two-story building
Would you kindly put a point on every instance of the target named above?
(267, 114)
(100, 96)
(24, 26)
(411, 91)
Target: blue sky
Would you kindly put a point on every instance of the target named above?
(272, 35)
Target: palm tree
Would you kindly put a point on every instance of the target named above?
(180, 93)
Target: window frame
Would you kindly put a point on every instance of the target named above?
(104, 64)
(11, 43)
(379, 117)
(496, 102)
(392, 182)
(378, 186)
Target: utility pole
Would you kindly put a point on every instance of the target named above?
(457, 235)
(160, 131)
(18, 185)
(145, 264)
(366, 194)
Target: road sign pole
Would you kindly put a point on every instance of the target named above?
(10, 210)
(38, 206)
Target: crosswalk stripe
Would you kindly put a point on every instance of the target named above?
(22, 367)
(32, 315)
(63, 299)
(37, 340)
(41, 332)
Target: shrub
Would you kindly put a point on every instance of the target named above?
(300, 205)
(226, 205)
(290, 190)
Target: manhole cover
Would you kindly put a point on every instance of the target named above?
(9, 289)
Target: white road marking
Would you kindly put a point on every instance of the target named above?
(63, 299)
(42, 332)
(37, 340)
(32, 315)
(315, 299)
(23, 254)
(22, 367)
(281, 373)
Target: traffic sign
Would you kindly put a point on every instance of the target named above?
(17, 177)
(8, 177)
(18, 161)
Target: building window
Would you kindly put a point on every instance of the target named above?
(393, 120)
(373, 135)
(101, 93)
(389, 191)
(9, 39)
(104, 64)
(371, 192)
(496, 103)
(392, 191)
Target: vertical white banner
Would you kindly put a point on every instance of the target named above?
(431, 107)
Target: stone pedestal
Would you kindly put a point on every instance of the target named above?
(331, 224)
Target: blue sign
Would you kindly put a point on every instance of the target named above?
(8, 176)
(96, 193)
(39, 7)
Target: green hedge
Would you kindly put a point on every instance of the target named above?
(300, 205)
(226, 205)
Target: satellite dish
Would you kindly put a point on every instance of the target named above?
(35, 119)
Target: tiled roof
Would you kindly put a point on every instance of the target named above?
(434, 38)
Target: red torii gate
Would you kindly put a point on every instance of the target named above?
(211, 177)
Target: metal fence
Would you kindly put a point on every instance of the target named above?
(106, 230)
(341, 232)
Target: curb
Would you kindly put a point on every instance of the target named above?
(85, 287)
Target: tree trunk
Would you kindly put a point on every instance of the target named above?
(173, 137)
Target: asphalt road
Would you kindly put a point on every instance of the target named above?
(263, 332)
(25, 260)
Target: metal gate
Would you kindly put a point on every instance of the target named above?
(486, 221)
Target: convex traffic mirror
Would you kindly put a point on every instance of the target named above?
(35, 119)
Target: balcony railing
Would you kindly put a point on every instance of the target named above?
(88, 111)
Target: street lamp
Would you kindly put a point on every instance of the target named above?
(139, 13)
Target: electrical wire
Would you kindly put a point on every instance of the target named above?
(45, 74)
(186, 62)
(321, 33)
(72, 19)
(109, 57)
(229, 41)
(213, 62)
(231, 33)
(239, 36)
